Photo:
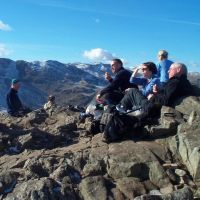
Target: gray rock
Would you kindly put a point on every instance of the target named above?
(158, 177)
(93, 188)
(67, 190)
(161, 151)
(188, 104)
(60, 173)
(130, 187)
(60, 161)
(128, 159)
(42, 189)
(8, 181)
(194, 117)
(187, 146)
(116, 194)
(169, 121)
(182, 194)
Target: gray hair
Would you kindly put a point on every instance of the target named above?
(182, 66)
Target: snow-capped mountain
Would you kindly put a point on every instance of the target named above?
(71, 83)
(97, 70)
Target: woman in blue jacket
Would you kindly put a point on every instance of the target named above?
(147, 83)
(148, 80)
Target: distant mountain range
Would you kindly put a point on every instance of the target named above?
(71, 83)
(74, 83)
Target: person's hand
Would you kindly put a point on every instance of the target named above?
(155, 89)
(98, 97)
(107, 76)
(150, 96)
(135, 71)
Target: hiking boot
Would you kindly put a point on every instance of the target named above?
(138, 113)
(120, 108)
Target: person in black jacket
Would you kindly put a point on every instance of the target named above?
(177, 86)
(114, 92)
(14, 104)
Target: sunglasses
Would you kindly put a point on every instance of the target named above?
(143, 69)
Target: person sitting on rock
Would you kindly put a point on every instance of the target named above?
(51, 103)
(14, 104)
(148, 80)
(114, 92)
(177, 86)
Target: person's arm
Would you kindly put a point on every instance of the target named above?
(135, 72)
(137, 80)
(169, 90)
(116, 82)
(108, 77)
(158, 70)
(149, 87)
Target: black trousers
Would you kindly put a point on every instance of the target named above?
(133, 98)
(112, 98)
(21, 112)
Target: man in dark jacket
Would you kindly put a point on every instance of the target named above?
(177, 86)
(114, 92)
(14, 104)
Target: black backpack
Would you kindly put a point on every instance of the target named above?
(115, 125)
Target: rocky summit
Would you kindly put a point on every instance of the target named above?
(53, 155)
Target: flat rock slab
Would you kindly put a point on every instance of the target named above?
(129, 159)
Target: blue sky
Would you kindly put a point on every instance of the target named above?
(97, 30)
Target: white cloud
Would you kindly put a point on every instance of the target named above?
(4, 50)
(98, 54)
(5, 27)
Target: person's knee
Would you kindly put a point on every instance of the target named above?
(133, 91)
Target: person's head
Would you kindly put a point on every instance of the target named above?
(116, 65)
(162, 55)
(51, 98)
(177, 69)
(15, 84)
(148, 69)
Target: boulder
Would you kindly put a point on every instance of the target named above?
(169, 121)
(188, 104)
(186, 145)
(8, 181)
(130, 187)
(93, 188)
(182, 194)
(128, 159)
(44, 188)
